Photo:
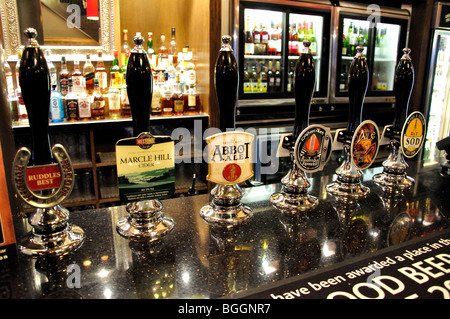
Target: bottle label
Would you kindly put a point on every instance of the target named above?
(413, 134)
(64, 86)
(156, 102)
(72, 109)
(55, 109)
(78, 84)
(249, 48)
(191, 77)
(178, 106)
(102, 79)
(191, 101)
(84, 107)
(116, 79)
(114, 101)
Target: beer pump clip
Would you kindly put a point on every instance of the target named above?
(406, 135)
(230, 153)
(44, 176)
(309, 146)
(360, 140)
(145, 163)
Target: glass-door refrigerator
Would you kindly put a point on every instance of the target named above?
(437, 92)
(383, 34)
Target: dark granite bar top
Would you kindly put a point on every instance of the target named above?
(196, 260)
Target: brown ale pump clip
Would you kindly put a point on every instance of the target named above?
(230, 152)
(406, 134)
(309, 145)
(44, 176)
(360, 139)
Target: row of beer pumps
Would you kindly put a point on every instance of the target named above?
(230, 152)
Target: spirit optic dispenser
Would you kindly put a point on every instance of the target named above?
(44, 176)
(309, 146)
(230, 153)
(145, 218)
(405, 139)
(360, 139)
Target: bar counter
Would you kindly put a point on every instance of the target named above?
(197, 261)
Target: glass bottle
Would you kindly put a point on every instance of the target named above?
(166, 101)
(89, 75)
(114, 102)
(177, 97)
(98, 105)
(277, 77)
(78, 86)
(64, 77)
(150, 50)
(270, 78)
(125, 109)
(56, 105)
(84, 107)
(191, 74)
(115, 72)
(163, 54)
(173, 44)
(71, 106)
(191, 102)
(100, 74)
(125, 48)
(51, 69)
(171, 71)
(155, 108)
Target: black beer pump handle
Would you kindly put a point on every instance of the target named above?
(403, 85)
(34, 80)
(139, 82)
(226, 83)
(358, 79)
(304, 83)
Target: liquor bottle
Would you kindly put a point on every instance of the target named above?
(22, 114)
(125, 109)
(270, 78)
(125, 48)
(64, 77)
(344, 45)
(139, 86)
(249, 46)
(263, 79)
(100, 73)
(166, 101)
(51, 69)
(181, 69)
(191, 74)
(343, 79)
(171, 71)
(256, 35)
(264, 40)
(254, 80)
(115, 72)
(192, 102)
(72, 110)
(178, 99)
(114, 97)
(312, 38)
(56, 105)
(163, 53)
(150, 50)
(290, 82)
(9, 77)
(226, 83)
(173, 43)
(155, 108)
(277, 77)
(78, 86)
(89, 75)
(246, 85)
(98, 104)
(84, 107)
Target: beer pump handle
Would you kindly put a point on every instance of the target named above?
(403, 85)
(226, 83)
(305, 80)
(139, 81)
(34, 80)
(358, 79)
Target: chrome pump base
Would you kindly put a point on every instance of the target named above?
(52, 235)
(145, 221)
(293, 196)
(348, 187)
(393, 179)
(226, 210)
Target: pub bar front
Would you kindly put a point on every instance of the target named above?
(226, 150)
